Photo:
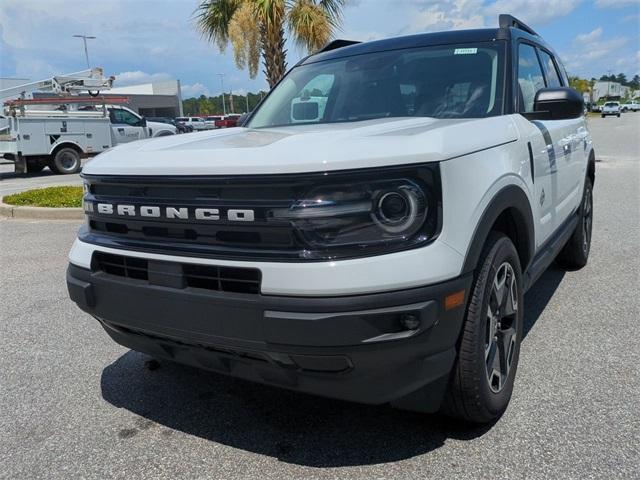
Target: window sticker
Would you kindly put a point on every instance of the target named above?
(465, 51)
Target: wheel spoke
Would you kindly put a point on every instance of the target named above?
(499, 284)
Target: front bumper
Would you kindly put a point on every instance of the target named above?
(349, 347)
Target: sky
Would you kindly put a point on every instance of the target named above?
(146, 40)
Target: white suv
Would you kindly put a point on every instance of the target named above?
(611, 108)
(369, 235)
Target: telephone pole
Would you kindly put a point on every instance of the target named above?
(224, 108)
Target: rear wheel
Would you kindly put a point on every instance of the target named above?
(575, 253)
(482, 380)
(66, 161)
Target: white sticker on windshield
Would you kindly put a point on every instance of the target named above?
(465, 51)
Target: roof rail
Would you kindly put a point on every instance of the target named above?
(338, 43)
(506, 21)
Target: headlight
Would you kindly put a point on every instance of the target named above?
(366, 214)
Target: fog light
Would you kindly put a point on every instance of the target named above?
(410, 321)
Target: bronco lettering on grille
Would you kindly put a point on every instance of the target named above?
(183, 213)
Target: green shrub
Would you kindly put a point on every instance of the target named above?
(66, 196)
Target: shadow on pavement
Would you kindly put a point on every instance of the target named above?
(292, 427)
(44, 173)
(538, 296)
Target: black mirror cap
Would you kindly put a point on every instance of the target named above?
(143, 121)
(559, 103)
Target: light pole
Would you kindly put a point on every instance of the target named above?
(224, 108)
(86, 51)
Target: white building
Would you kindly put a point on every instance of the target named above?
(603, 89)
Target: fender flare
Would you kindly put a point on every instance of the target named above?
(515, 200)
(68, 144)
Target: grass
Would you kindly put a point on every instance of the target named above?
(47, 197)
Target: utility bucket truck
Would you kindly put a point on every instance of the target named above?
(76, 123)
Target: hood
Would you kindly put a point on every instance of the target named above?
(160, 126)
(308, 148)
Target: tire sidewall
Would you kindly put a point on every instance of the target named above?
(59, 168)
(504, 251)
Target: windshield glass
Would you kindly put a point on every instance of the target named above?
(446, 81)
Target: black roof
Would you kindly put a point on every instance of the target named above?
(510, 28)
(409, 41)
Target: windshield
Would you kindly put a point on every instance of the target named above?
(446, 81)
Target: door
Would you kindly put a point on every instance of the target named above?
(572, 146)
(126, 126)
(552, 146)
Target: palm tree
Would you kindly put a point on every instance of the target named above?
(257, 28)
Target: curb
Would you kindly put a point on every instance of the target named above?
(40, 213)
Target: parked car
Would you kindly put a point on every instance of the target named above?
(632, 105)
(230, 120)
(211, 120)
(611, 108)
(180, 126)
(196, 123)
(379, 252)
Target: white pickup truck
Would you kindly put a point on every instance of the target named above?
(59, 139)
(632, 105)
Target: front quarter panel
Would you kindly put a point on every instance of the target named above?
(471, 182)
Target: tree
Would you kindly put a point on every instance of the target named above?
(635, 82)
(621, 78)
(580, 84)
(256, 28)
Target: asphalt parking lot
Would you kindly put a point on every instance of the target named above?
(75, 405)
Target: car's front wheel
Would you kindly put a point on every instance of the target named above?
(482, 380)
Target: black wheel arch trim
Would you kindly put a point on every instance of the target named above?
(514, 199)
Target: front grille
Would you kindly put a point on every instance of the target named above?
(179, 275)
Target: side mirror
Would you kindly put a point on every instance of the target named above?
(143, 122)
(558, 103)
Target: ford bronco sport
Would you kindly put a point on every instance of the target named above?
(368, 235)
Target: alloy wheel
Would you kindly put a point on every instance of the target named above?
(500, 331)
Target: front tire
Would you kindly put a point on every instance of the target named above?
(482, 379)
(66, 161)
(575, 253)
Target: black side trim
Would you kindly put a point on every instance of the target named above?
(533, 171)
(513, 198)
(549, 251)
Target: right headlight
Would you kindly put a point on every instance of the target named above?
(387, 210)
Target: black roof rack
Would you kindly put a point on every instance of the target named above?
(506, 21)
(338, 43)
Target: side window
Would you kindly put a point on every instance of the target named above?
(550, 70)
(120, 117)
(530, 78)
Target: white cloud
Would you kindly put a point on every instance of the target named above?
(461, 14)
(137, 77)
(615, 3)
(589, 37)
(194, 90)
(534, 13)
(593, 54)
